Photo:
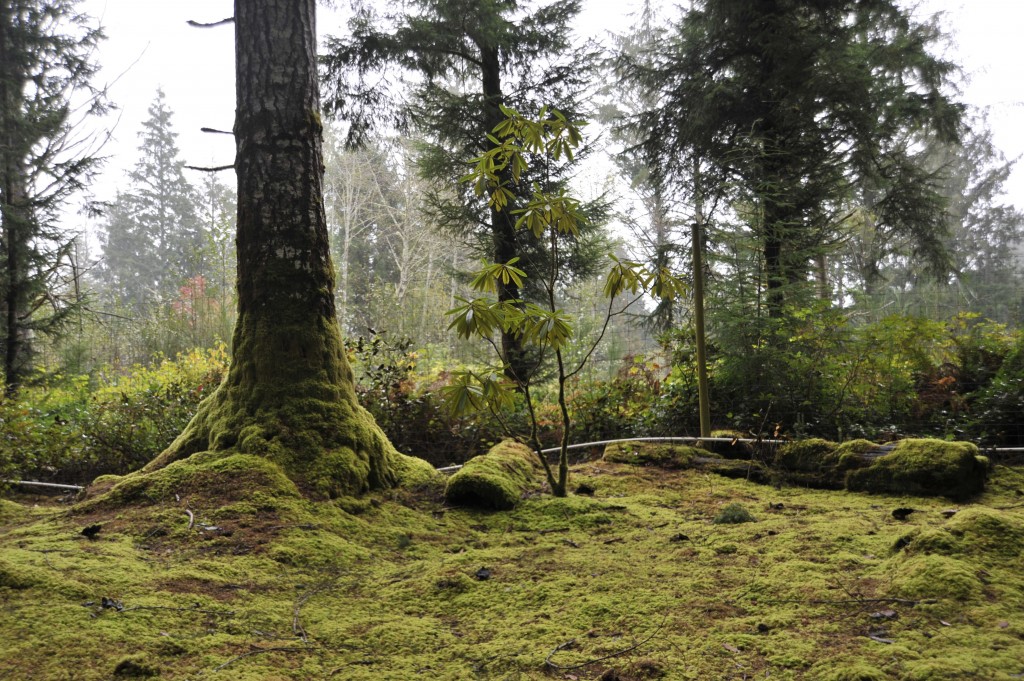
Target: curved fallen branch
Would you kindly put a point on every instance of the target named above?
(548, 663)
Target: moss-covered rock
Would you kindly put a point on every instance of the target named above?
(652, 454)
(931, 541)
(496, 480)
(813, 462)
(925, 467)
(807, 456)
(10, 511)
(988, 531)
(20, 576)
(933, 576)
(852, 453)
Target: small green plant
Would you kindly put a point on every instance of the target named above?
(543, 327)
(733, 514)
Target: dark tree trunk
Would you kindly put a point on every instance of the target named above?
(289, 392)
(503, 228)
(14, 214)
(15, 287)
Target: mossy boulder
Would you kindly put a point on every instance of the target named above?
(496, 480)
(22, 576)
(652, 454)
(988, 531)
(808, 456)
(10, 511)
(923, 467)
(933, 576)
(930, 541)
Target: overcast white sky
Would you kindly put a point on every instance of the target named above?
(149, 45)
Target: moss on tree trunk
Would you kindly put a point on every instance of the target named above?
(288, 395)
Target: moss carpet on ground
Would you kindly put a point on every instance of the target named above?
(635, 581)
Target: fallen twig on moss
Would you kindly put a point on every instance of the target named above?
(224, 613)
(572, 642)
(854, 601)
(297, 627)
(258, 651)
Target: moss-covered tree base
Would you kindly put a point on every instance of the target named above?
(295, 409)
(328, 451)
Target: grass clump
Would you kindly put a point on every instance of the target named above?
(733, 514)
(496, 480)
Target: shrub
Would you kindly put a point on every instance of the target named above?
(998, 408)
(625, 406)
(407, 403)
(67, 433)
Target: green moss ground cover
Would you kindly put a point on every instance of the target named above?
(633, 582)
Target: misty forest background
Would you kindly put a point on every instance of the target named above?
(856, 292)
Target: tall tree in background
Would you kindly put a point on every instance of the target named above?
(468, 58)
(983, 236)
(986, 230)
(654, 211)
(154, 238)
(665, 205)
(288, 395)
(791, 105)
(350, 179)
(45, 61)
(217, 210)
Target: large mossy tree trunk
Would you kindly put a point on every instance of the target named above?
(289, 394)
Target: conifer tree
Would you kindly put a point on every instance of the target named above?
(45, 62)
(154, 238)
(790, 106)
(467, 58)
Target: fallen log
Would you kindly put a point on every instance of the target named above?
(924, 467)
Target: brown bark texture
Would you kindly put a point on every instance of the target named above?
(289, 392)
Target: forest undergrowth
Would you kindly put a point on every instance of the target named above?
(630, 578)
